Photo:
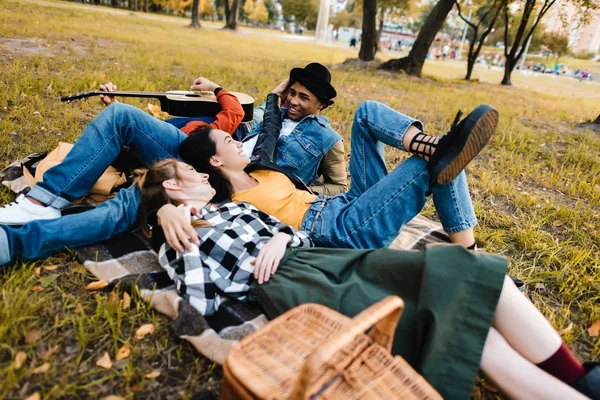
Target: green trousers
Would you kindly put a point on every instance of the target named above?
(450, 297)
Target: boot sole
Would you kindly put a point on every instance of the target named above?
(481, 133)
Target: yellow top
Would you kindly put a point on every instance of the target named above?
(276, 195)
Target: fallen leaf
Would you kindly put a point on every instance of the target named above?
(567, 329)
(37, 270)
(78, 308)
(20, 358)
(33, 336)
(41, 369)
(50, 352)
(37, 288)
(126, 301)
(123, 352)
(144, 330)
(594, 329)
(113, 300)
(152, 375)
(96, 285)
(50, 267)
(35, 396)
(48, 280)
(113, 397)
(104, 362)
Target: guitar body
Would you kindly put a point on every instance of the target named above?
(181, 103)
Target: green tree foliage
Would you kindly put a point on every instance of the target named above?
(556, 43)
(305, 12)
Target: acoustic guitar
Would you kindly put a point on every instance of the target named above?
(179, 103)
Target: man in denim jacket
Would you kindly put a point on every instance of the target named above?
(307, 147)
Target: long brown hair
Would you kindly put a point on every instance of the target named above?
(153, 194)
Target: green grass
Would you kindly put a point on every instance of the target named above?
(536, 190)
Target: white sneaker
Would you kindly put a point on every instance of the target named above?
(22, 210)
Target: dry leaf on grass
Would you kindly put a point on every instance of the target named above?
(33, 336)
(153, 375)
(113, 300)
(97, 285)
(126, 301)
(144, 330)
(113, 397)
(123, 352)
(594, 329)
(104, 361)
(50, 267)
(567, 329)
(20, 358)
(37, 288)
(50, 352)
(48, 280)
(41, 369)
(35, 396)
(37, 270)
(78, 308)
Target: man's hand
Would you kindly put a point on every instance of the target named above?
(177, 226)
(203, 84)
(108, 100)
(282, 89)
(269, 257)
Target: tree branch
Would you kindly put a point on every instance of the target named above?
(460, 15)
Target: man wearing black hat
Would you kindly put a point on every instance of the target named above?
(308, 147)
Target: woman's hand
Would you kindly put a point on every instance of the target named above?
(203, 84)
(108, 87)
(177, 226)
(270, 256)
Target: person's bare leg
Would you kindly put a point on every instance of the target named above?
(523, 325)
(465, 238)
(518, 377)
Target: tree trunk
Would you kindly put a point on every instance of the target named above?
(232, 21)
(413, 63)
(507, 72)
(195, 20)
(368, 44)
(114, 3)
(146, 6)
(227, 10)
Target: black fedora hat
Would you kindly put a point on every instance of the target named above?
(316, 78)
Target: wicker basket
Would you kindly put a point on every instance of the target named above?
(315, 352)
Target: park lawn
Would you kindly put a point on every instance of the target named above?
(536, 190)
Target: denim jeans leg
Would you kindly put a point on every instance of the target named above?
(373, 219)
(374, 125)
(453, 205)
(40, 239)
(119, 125)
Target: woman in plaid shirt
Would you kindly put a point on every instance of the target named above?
(461, 311)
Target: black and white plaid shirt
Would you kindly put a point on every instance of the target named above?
(221, 264)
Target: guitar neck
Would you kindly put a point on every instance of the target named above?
(153, 95)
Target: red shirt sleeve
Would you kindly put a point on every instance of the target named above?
(228, 119)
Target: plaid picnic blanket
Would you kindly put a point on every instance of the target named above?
(129, 262)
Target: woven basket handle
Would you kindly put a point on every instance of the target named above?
(384, 315)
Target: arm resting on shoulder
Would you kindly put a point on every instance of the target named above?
(333, 170)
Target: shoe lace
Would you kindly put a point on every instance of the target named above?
(11, 204)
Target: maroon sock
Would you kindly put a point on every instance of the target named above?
(563, 365)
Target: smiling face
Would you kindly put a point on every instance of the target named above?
(229, 153)
(302, 102)
(189, 185)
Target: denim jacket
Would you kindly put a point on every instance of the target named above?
(301, 152)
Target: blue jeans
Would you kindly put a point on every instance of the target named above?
(378, 204)
(119, 125)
